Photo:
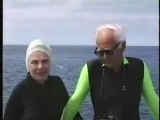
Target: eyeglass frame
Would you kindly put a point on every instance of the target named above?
(107, 51)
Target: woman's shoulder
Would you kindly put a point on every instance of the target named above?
(19, 87)
(55, 79)
(56, 82)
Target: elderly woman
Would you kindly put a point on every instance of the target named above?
(39, 96)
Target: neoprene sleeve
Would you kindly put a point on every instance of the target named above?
(79, 95)
(149, 93)
(82, 89)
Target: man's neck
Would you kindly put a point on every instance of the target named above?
(116, 68)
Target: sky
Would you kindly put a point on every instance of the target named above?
(74, 22)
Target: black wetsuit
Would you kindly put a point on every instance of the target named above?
(33, 101)
(116, 96)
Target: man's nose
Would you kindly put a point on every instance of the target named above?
(105, 56)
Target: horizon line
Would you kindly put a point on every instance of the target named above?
(72, 45)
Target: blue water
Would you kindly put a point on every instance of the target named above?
(67, 63)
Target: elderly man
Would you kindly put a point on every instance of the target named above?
(115, 82)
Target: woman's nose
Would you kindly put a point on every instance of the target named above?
(40, 65)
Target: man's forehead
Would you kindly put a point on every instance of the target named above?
(106, 36)
(106, 32)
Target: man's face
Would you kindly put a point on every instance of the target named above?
(108, 48)
(39, 66)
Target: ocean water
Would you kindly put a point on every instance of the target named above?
(67, 63)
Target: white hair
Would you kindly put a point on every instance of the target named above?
(119, 35)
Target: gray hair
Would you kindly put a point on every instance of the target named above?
(119, 35)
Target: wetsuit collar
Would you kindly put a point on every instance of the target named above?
(29, 77)
(125, 61)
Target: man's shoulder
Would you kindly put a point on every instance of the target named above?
(94, 63)
(133, 58)
(95, 60)
(134, 61)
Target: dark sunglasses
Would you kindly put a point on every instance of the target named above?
(109, 52)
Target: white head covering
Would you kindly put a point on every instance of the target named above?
(37, 45)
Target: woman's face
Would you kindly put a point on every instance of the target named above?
(39, 66)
